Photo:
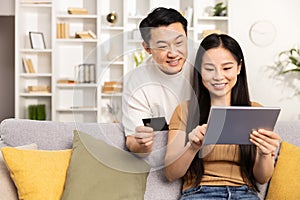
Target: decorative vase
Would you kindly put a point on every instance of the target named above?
(112, 18)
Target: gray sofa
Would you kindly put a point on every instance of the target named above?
(50, 135)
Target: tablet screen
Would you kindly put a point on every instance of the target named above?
(233, 124)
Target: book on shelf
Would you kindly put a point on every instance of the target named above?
(65, 81)
(110, 87)
(38, 89)
(62, 30)
(85, 34)
(77, 11)
(82, 34)
(28, 65)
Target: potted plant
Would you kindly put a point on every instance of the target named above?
(288, 61)
(287, 68)
(220, 9)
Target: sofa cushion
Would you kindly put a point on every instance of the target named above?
(157, 186)
(37, 174)
(101, 171)
(285, 182)
(7, 188)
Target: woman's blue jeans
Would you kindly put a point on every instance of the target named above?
(219, 193)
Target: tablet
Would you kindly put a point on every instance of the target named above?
(233, 124)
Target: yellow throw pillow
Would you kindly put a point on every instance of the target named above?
(7, 187)
(285, 182)
(37, 174)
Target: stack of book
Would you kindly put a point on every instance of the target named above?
(85, 34)
(38, 89)
(62, 30)
(110, 87)
(65, 81)
(77, 11)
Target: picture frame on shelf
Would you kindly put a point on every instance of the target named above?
(37, 40)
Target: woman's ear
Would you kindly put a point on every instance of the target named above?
(146, 47)
(239, 67)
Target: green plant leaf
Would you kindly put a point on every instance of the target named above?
(291, 70)
(293, 60)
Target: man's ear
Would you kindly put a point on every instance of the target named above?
(146, 47)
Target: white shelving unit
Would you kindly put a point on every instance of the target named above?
(111, 52)
(204, 21)
(36, 18)
(75, 102)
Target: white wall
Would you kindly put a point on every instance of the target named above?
(285, 15)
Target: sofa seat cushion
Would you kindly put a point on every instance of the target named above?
(37, 174)
(101, 171)
(285, 182)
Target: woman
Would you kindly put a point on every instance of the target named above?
(220, 171)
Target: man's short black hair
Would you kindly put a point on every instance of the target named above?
(160, 17)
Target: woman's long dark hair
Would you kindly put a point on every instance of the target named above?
(199, 106)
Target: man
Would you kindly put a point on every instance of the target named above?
(161, 82)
